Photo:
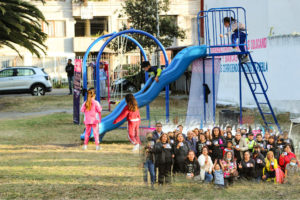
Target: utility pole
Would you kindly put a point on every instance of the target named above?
(87, 23)
(157, 34)
(202, 22)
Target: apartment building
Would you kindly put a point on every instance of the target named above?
(66, 31)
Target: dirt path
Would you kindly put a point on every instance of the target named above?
(19, 115)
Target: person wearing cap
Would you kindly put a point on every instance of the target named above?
(154, 71)
(259, 163)
(250, 142)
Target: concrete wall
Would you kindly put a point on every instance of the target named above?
(273, 40)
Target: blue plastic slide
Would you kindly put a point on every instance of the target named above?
(176, 68)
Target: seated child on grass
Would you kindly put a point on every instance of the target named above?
(291, 171)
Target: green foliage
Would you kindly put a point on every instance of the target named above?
(134, 74)
(141, 15)
(20, 24)
(131, 69)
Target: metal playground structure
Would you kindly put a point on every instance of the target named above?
(211, 24)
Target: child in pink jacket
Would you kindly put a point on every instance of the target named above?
(92, 112)
(131, 112)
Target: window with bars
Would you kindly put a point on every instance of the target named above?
(98, 26)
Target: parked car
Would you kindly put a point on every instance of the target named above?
(31, 80)
(126, 84)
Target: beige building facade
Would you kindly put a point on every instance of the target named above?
(66, 38)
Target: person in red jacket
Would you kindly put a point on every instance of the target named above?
(131, 111)
(286, 156)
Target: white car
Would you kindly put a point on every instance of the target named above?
(31, 80)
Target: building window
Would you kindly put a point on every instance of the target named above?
(99, 25)
(55, 28)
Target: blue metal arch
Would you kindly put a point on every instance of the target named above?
(86, 56)
(88, 51)
(116, 35)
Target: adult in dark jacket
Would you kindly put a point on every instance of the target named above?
(259, 163)
(164, 152)
(262, 143)
(247, 167)
(218, 144)
(70, 72)
(228, 137)
(181, 149)
(271, 146)
(155, 137)
(158, 131)
(200, 144)
(192, 166)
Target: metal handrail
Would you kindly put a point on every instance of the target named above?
(212, 41)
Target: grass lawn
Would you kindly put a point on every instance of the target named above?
(34, 104)
(41, 158)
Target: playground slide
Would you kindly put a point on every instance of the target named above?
(176, 68)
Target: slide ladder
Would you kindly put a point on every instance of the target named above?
(259, 87)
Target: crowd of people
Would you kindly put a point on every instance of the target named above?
(219, 157)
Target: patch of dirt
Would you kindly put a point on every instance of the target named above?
(18, 115)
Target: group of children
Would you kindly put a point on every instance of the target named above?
(92, 117)
(216, 155)
(92, 111)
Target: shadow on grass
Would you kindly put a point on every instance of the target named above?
(65, 145)
(115, 142)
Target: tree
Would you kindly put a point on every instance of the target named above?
(141, 15)
(20, 24)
